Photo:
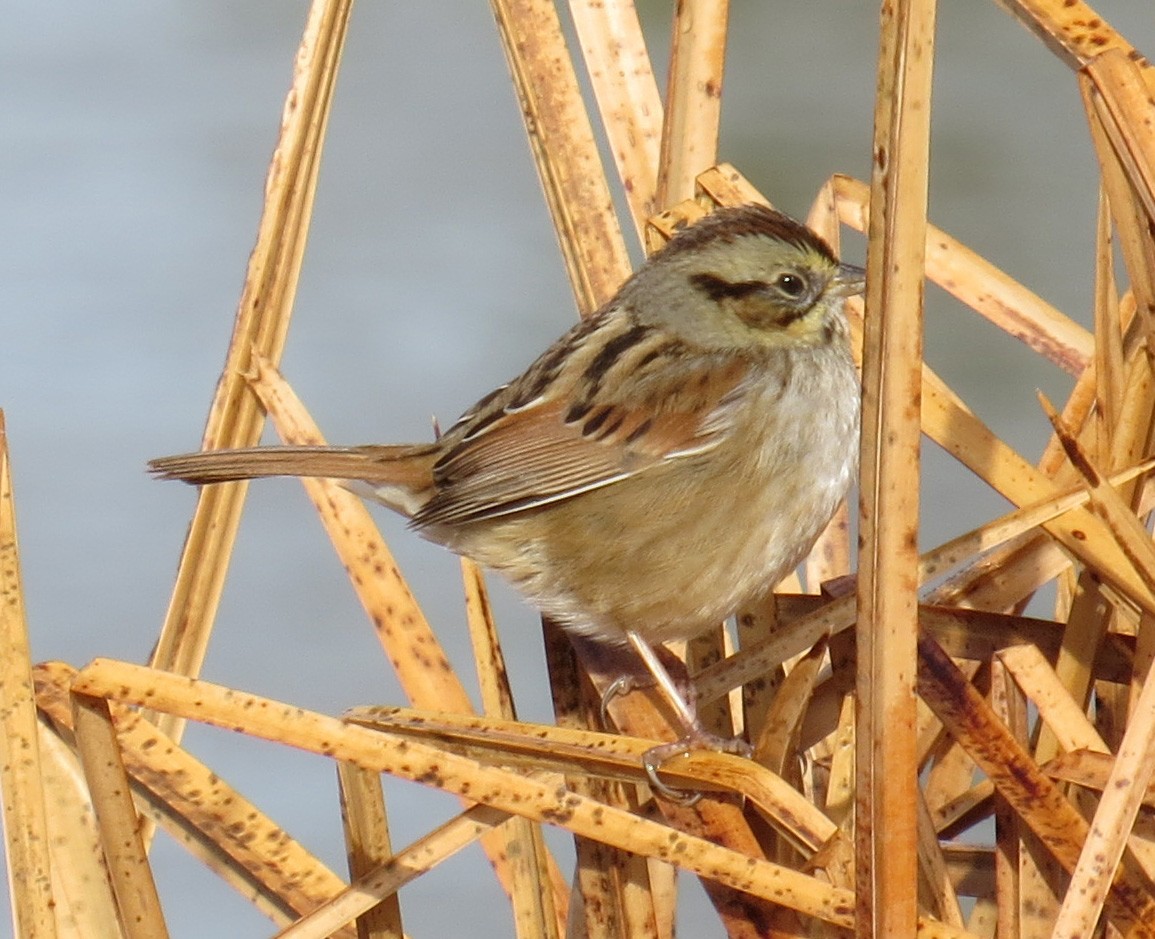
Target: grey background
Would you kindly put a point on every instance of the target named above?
(136, 140)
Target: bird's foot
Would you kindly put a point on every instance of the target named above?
(696, 738)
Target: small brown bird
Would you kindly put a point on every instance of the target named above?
(664, 462)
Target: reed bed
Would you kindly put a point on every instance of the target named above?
(928, 760)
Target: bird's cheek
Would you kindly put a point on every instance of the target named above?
(755, 312)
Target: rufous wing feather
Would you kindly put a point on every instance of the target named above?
(556, 449)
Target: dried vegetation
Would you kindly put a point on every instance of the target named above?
(1001, 763)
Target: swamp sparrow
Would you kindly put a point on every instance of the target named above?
(664, 462)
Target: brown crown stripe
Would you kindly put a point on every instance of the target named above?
(729, 224)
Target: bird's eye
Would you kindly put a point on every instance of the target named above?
(790, 284)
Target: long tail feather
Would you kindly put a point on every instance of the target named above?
(404, 466)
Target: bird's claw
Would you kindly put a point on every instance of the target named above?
(654, 757)
(619, 687)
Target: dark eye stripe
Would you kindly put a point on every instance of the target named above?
(718, 288)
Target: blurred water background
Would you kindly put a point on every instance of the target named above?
(136, 141)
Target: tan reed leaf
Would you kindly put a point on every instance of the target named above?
(1132, 536)
(83, 904)
(262, 321)
(1018, 899)
(492, 675)
(832, 554)
(947, 421)
(958, 812)
(702, 651)
(952, 773)
(662, 227)
(409, 642)
(368, 845)
(755, 622)
(723, 184)
(776, 746)
(839, 801)
(1102, 852)
(933, 869)
(1037, 679)
(1128, 210)
(983, 920)
(535, 915)
(1110, 364)
(693, 97)
(1016, 523)
(564, 148)
(1072, 29)
(1132, 430)
(626, 91)
(1143, 659)
(510, 792)
(1035, 799)
(1125, 105)
(586, 752)
(407, 865)
(1090, 769)
(128, 868)
(886, 761)
(610, 895)
(202, 812)
(987, 290)
(26, 840)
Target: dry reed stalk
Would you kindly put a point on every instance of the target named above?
(1038, 681)
(933, 870)
(105, 680)
(368, 845)
(610, 895)
(1008, 705)
(382, 883)
(693, 97)
(137, 902)
(216, 824)
(409, 642)
(534, 899)
(1071, 29)
(1111, 825)
(832, 553)
(1123, 104)
(1037, 802)
(26, 839)
(83, 904)
(585, 752)
(1089, 769)
(627, 96)
(886, 795)
(586, 782)
(984, 288)
(563, 145)
(1110, 363)
(261, 324)
(753, 623)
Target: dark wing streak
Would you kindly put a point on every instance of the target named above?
(533, 456)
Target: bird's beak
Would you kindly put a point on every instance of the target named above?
(849, 281)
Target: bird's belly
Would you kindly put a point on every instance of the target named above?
(710, 542)
(709, 532)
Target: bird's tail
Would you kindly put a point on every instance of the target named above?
(404, 472)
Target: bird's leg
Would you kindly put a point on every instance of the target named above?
(695, 736)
